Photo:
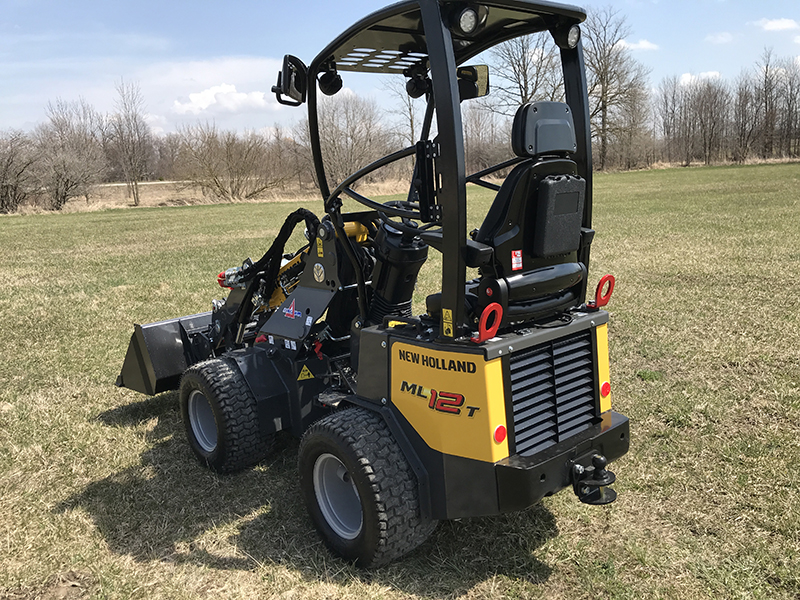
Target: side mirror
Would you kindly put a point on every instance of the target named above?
(473, 82)
(292, 82)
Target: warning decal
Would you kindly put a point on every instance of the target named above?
(447, 322)
(305, 374)
(516, 260)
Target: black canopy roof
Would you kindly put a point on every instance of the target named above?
(392, 40)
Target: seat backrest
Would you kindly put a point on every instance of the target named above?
(535, 219)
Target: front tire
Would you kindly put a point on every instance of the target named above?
(360, 490)
(220, 415)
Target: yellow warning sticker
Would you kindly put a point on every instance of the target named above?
(320, 253)
(447, 322)
(305, 374)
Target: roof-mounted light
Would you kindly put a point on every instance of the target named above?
(567, 38)
(468, 20)
(573, 37)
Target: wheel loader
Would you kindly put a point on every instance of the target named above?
(495, 397)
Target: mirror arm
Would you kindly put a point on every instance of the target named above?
(276, 89)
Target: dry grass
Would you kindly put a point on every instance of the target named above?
(180, 193)
(101, 498)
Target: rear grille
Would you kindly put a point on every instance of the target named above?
(552, 391)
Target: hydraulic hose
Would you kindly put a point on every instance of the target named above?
(267, 267)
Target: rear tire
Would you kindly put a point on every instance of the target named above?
(220, 415)
(360, 490)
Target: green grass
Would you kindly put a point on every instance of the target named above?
(100, 496)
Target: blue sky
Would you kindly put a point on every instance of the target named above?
(204, 60)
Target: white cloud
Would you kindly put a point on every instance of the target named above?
(689, 78)
(722, 37)
(157, 123)
(778, 24)
(223, 98)
(242, 71)
(640, 45)
(229, 90)
(797, 40)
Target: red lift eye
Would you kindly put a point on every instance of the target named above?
(500, 434)
(605, 389)
(486, 331)
(601, 299)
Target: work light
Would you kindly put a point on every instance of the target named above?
(468, 21)
(573, 37)
(567, 39)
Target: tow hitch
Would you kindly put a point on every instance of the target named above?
(590, 484)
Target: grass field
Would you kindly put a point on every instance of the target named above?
(100, 496)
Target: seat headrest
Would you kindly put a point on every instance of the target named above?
(543, 128)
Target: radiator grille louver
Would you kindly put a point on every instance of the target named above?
(552, 391)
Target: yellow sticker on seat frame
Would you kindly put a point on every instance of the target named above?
(305, 373)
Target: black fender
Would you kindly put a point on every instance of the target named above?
(285, 389)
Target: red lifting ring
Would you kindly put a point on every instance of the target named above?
(601, 299)
(483, 333)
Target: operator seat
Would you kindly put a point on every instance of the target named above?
(534, 223)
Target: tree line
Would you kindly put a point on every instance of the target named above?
(75, 148)
(682, 121)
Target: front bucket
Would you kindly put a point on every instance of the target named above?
(159, 353)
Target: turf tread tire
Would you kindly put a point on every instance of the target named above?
(393, 525)
(240, 443)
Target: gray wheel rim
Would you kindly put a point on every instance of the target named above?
(337, 497)
(202, 421)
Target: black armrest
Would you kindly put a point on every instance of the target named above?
(476, 254)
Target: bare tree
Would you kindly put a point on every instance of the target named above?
(406, 109)
(612, 73)
(167, 154)
(70, 153)
(668, 111)
(351, 134)
(789, 111)
(525, 69)
(687, 125)
(767, 96)
(709, 99)
(227, 165)
(486, 138)
(17, 159)
(744, 117)
(632, 137)
(289, 160)
(130, 139)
